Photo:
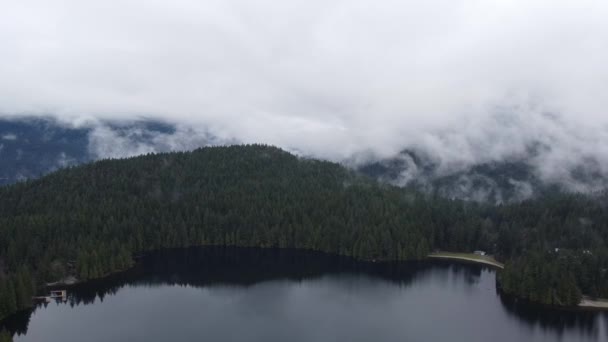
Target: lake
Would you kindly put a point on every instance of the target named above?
(243, 294)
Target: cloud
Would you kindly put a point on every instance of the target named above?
(109, 141)
(466, 81)
(9, 136)
(64, 160)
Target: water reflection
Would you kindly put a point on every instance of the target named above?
(457, 287)
(210, 266)
(585, 322)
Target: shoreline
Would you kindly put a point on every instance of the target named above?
(586, 303)
(593, 303)
(468, 257)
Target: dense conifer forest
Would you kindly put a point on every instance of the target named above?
(90, 220)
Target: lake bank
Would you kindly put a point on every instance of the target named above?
(277, 295)
(593, 303)
(587, 303)
(468, 257)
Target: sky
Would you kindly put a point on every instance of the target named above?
(466, 81)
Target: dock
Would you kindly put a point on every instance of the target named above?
(60, 295)
(468, 257)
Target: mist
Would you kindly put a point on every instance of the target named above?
(465, 82)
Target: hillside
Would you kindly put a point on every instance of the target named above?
(33, 147)
(89, 220)
(504, 181)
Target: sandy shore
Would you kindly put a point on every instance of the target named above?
(486, 260)
(588, 302)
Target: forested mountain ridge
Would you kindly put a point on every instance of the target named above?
(508, 180)
(89, 220)
(32, 147)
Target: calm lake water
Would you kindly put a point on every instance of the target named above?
(233, 294)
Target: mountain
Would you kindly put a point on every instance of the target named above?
(31, 147)
(88, 221)
(513, 180)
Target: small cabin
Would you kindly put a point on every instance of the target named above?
(482, 253)
(59, 294)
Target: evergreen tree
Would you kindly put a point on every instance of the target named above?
(5, 336)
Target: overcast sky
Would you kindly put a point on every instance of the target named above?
(467, 80)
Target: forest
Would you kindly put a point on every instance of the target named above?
(91, 220)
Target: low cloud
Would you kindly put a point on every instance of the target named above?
(9, 136)
(110, 141)
(465, 82)
(64, 160)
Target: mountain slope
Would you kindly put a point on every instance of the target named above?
(31, 147)
(506, 181)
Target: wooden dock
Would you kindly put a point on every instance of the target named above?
(468, 257)
(61, 295)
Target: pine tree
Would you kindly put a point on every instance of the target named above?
(5, 336)
(11, 300)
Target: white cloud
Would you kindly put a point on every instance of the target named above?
(106, 141)
(468, 80)
(9, 136)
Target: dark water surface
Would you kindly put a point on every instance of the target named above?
(218, 294)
